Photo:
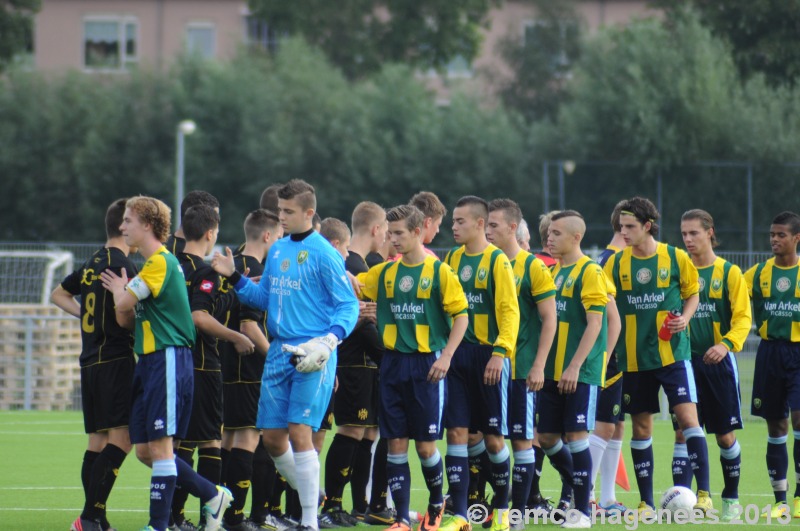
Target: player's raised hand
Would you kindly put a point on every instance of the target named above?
(355, 283)
(223, 264)
(113, 282)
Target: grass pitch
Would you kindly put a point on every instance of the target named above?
(42, 453)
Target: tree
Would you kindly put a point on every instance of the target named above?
(16, 28)
(762, 33)
(541, 60)
(359, 36)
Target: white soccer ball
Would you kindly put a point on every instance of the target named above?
(675, 498)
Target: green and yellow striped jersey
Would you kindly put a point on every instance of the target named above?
(581, 288)
(488, 282)
(163, 317)
(534, 285)
(723, 315)
(415, 303)
(648, 288)
(775, 292)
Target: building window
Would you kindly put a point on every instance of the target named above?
(554, 40)
(260, 35)
(459, 68)
(201, 40)
(110, 43)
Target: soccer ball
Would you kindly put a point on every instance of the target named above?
(675, 498)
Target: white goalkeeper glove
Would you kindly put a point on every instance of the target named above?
(312, 355)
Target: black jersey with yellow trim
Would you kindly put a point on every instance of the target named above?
(203, 289)
(364, 346)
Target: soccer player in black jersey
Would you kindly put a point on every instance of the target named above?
(107, 365)
(208, 305)
(241, 376)
(355, 409)
(176, 241)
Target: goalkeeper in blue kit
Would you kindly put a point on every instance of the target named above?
(310, 308)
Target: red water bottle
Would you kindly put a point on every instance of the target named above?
(665, 334)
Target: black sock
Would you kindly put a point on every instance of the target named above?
(380, 481)
(240, 470)
(186, 453)
(537, 474)
(104, 474)
(293, 508)
(338, 469)
(362, 462)
(224, 456)
(209, 466)
(279, 487)
(89, 457)
(261, 484)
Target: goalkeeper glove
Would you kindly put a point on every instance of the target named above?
(312, 355)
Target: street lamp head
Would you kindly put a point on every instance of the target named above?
(187, 127)
(569, 166)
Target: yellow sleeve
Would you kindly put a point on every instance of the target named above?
(608, 269)
(741, 318)
(594, 294)
(611, 289)
(154, 273)
(454, 301)
(749, 277)
(690, 283)
(369, 280)
(542, 285)
(506, 306)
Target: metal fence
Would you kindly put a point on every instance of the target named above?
(26, 374)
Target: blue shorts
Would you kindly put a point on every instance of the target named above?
(640, 389)
(776, 382)
(290, 396)
(522, 413)
(470, 403)
(410, 406)
(561, 414)
(161, 397)
(609, 403)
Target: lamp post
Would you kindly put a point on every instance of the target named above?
(185, 127)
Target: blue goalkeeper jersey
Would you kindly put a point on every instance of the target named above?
(304, 289)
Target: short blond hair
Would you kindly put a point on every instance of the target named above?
(366, 215)
(153, 212)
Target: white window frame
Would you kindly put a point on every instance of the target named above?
(202, 24)
(122, 22)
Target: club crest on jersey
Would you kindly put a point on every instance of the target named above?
(644, 276)
(663, 273)
(783, 284)
(424, 283)
(517, 280)
(716, 284)
(466, 273)
(559, 281)
(285, 265)
(482, 274)
(702, 283)
(302, 256)
(405, 284)
(570, 282)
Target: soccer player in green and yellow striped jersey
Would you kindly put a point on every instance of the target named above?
(479, 379)
(775, 290)
(652, 280)
(422, 317)
(537, 328)
(719, 328)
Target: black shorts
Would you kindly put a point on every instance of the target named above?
(356, 401)
(240, 404)
(327, 419)
(609, 403)
(106, 394)
(205, 423)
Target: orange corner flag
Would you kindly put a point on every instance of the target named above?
(622, 475)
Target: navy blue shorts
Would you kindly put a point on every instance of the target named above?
(609, 403)
(472, 404)
(410, 406)
(522, 413)
(574, 412)
(776, 382)
(163, 384)
(640, 389)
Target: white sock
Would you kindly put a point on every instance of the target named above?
(597, 448)
(307, 469)
(285, 465)
(608, 472)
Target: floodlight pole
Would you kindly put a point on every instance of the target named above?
(186, 127)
